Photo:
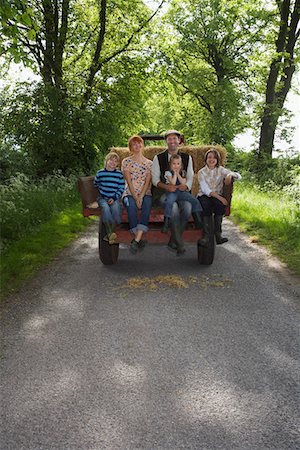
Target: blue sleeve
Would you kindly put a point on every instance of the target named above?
(121, 188)
(97, 179)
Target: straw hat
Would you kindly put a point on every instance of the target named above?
(167, 133)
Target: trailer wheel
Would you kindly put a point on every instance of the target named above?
(108, 254)
(206, 254)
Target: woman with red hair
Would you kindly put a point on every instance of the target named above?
(137, 195)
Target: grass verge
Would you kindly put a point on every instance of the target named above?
(24, 257)
(271, 219)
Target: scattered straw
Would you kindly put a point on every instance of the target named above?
(177, 282)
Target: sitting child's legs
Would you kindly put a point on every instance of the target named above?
(170, 199)
(106, 215)
(219, 210)
(116, 211)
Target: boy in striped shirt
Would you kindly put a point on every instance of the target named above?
(110, 184)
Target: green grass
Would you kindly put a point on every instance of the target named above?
(272, 219)
(23, 258)
(25, 204)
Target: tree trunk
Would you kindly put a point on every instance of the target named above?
(56, 26)
(278, 87)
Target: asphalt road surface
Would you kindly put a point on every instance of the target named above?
(191, 357)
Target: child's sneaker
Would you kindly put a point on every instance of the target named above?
(111, 238)
(142, 244)
(134, 246)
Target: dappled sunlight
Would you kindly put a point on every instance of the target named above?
(282, 361)
(35, 323)
(45, 392)
(221, 403)
(72, 305)
(127, 374)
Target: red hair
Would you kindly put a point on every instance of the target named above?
(135, 138)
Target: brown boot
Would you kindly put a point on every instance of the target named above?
(111, 236)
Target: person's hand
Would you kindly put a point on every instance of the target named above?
(228, 179)
(139, 201)
(110, 201)
(182, 187)
(223, 200)
(171, 187)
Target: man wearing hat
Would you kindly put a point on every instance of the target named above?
(181, 209)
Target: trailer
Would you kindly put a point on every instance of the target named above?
(109, 253)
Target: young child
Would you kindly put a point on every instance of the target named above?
(176, 176)
(211, 178)
(110, 183)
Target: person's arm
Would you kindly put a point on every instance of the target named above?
(189, 177)
(146, 186)
(121, 187)
(96, 180)
(127, 176)
(181, 179)
(205, 189)
(219, 197)
(229, 175)
(155, 169)
(170, 178)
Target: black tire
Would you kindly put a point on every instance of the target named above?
(108, 254)
(206, 254)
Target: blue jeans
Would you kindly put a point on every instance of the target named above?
(181, 210)
(110, 213)
(135, 222)
(182, 196)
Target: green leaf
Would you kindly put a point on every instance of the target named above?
(31, 35)
(25, 19)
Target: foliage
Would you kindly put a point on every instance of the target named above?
(25, 203)
(208, 63)
(94, 81)
(269, 174)
(281, 71)
(24, 257)
(51, 135)
(271, 218)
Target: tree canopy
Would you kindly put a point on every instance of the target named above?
(110, 68)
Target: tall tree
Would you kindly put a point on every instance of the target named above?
(40, 34)
(281, 72)
(215, 39)
(81, 50)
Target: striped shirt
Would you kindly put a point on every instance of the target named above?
(110, 183)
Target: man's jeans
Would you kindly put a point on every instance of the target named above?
(110, 213)
(181, 210)
(135, 222)
(180, 196)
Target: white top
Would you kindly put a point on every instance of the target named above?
(169, 174)
(155, 169)
(211, 180)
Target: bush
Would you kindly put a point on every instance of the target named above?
(280, 175)
(25, 203)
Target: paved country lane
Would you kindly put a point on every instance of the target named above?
(90, 362)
